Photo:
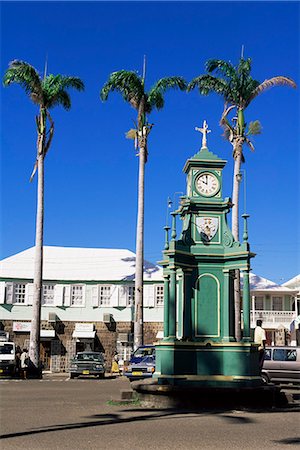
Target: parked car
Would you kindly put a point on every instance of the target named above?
(87, 364)
(142, 363)
(282, 365)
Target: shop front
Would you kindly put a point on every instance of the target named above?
(47, 337)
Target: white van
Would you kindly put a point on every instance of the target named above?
(7, 358)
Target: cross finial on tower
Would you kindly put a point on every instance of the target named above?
(204, 130)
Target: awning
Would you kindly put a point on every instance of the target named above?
(160, 335)
(47, 333)
(84, 334)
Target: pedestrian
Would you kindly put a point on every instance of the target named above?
(24, 358)
(298, 335)
(115, 365)
(260, 339)
(18, 361)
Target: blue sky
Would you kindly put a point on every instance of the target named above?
(91, 169)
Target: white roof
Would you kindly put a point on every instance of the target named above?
(80, 264)
(261, 284)
(99, 264)
(294, 283)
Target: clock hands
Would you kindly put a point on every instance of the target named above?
(205, 182)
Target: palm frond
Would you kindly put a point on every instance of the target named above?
(54, 90)
(61, 98)
(22, 73)
(67, 82)
(254, 128)
(208, 84)
(166, 83)
(275, 81)
(155, 97)
(155, 100)
(222, 67)
(131, 134)
(127, 83)
(244, 67)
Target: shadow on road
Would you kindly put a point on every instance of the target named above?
(113, 419)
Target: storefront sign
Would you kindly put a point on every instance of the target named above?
(85, 327)
(22, 327)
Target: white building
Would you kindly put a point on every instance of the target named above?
(88, 298)
(277, 306)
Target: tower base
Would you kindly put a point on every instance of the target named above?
(183, 397)
(207, 364)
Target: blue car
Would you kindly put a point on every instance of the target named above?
(142, 363)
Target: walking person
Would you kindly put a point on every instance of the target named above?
(260, 339)
(115, 365)
(24, 359)
(18, 361)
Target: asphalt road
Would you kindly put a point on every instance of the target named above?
(58, 413)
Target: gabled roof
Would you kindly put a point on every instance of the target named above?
(294, 283)
(260, 284)
(80, 264)
(99, 264)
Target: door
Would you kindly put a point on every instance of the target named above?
(45, 354)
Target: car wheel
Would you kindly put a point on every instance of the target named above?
(72, 375)
(101, 375)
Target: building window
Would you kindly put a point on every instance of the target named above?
(131, 296)
(19, 293)
(259, 303)
(48, 294)
(104, 295)
(159, 295)
(76, 295)
(277, 304)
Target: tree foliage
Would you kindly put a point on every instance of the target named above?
(132, 88)
(47, 91)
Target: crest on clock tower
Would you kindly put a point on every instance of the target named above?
(207, 227)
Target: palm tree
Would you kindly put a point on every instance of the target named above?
(46, 92)
(132, 88)
(238, 89)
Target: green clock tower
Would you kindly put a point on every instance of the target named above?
(199, 346)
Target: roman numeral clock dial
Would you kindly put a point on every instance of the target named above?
(207, 184)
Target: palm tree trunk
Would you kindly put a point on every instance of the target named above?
(238, 152)
(34, 346)
(139, 264)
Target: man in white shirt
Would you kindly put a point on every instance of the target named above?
(260, 339)
(24, 358)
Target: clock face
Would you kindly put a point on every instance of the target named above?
(207, 184)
